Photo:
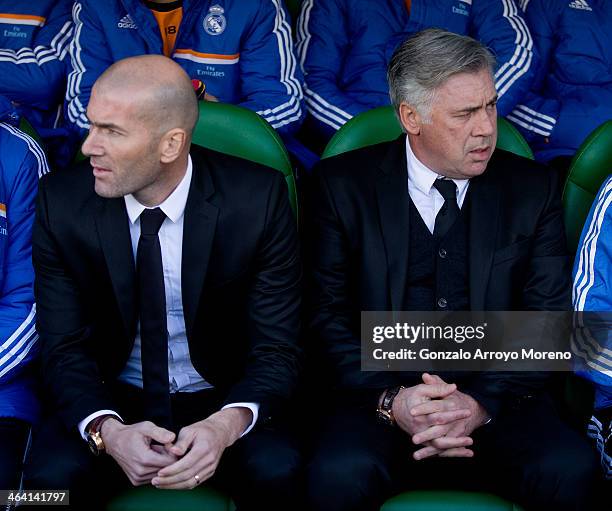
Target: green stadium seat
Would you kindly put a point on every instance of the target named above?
(509, 139)
(381, 125)
(28, 129)
(590, 166)
(147, 498)
(448, 501)
(234, 130)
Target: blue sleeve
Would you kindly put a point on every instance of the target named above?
(593, 265)
(270, 80)
(546, 121)
(89, 57)
(322, 42)
(35, 75)
(499, 25)
(541, 118)
(18, 337)
(535, 115)
(592, 291)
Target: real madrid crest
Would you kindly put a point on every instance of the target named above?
(215, 22)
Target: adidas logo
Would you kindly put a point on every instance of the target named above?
(127, 22)
(581, 5)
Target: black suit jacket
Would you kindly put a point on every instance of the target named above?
(359, 256)
(240, 285)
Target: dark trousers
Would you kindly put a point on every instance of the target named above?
(260, 471)
(527, 455)
(13, 439)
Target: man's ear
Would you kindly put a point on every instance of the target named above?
(172, 145)
(410, 118)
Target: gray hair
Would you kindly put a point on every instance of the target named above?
(424, 61)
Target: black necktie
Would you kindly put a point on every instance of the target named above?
(153, 328)
(450, 210)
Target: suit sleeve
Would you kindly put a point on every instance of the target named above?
(500, 26)
(336, 344)
(270, 79)
(35, 75)
(18, 337)
(545, 119)
(547, 281)
(274, 305)
(62, 323)
(592, 291)
(322, 43)
(89, 57)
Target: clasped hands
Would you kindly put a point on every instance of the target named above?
(438, 417)
(173, 463)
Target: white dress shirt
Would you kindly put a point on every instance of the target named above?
(425, 196)
(181, 374)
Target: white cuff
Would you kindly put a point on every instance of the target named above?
(89, 418)
(254, 407)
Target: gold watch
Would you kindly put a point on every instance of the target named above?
(94, 436)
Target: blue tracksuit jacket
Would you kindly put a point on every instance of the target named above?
(22, 162)
(241, 49)
(34, 41)
(592, 291)
(344, 47)
(572, 93)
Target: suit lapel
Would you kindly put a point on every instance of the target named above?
(485, 197)
(392, 195)
(114, 232)
(198, 233)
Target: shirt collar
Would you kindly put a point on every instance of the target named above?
(423, 177)
(173, 206)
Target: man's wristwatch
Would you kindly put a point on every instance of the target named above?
(384, 412)
(94, 437)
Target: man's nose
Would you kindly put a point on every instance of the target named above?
(486, 123)
(91, 146)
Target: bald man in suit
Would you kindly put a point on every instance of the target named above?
(168, 283)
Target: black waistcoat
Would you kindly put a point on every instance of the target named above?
(438, 268)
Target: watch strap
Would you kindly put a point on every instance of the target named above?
(96, 425)
(385, 409)
(94, 435)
